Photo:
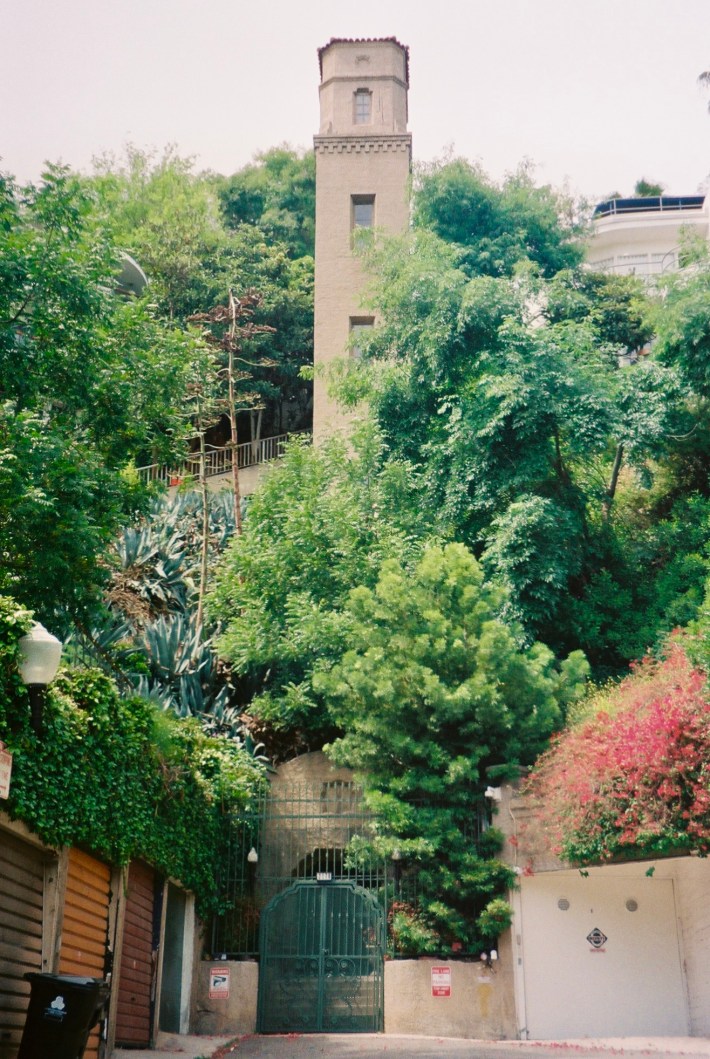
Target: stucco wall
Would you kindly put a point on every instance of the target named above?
(235, 1015)
(692, 881)
(481, 1004)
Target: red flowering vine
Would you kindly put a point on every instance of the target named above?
(634, 778)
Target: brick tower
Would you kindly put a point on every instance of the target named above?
(363, 159)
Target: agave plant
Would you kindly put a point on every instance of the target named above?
(150, 637)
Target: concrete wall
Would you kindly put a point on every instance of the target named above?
(481, 1004)
(692, 887)
(235, 1015)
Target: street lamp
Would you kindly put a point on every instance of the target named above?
(40, 653)
(252, 861)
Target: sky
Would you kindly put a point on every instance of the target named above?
(596, 93)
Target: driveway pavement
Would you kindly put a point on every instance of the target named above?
(385, 1046)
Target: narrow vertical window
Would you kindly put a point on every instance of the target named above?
(359, 328)
(363, 107)
(363, 211)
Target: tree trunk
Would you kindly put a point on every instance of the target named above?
(204, 552)
(233, 416)
(613, 482)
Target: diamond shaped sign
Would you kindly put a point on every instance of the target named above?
(596, 938)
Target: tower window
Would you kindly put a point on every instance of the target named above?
(363, 107)
(359, 327)
(363, 211)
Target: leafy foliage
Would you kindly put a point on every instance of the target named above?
(88, 383)
(117, 775)
(633, 777)
(320, 522)
(497, 227)
(432, 692)
(277, 194)
(194, 251)
(512, 407)
(683, 330)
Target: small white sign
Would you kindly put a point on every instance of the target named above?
(441, 981)
(5, 771)
(219, 983)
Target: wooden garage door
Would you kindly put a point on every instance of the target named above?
(134, 1010)
(85, 924)
(22, 872)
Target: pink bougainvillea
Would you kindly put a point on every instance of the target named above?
(634, 778)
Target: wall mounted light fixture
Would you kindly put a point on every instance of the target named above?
(40, 654)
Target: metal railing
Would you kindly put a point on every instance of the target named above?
(218, 460)
(650, 203)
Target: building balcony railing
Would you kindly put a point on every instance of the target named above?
(218, 460)
(649, 204)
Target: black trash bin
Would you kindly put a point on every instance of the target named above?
(63, 1010)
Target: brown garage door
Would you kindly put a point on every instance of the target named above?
(134, 1011)
(85, 924)
(22, 872)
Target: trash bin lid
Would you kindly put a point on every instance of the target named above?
(76, 981)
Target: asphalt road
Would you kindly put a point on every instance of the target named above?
(350, 1046)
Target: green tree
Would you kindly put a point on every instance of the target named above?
(88, 384)
(277, 194)
(647, 188)
(433, 693)
(498, 227)
(170, 219)
(682, 325)
(516, 415)
(618, 307)
(320, 522)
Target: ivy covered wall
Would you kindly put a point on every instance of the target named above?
(118, 776)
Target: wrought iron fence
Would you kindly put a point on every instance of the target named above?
(306, 831)
(302, 832)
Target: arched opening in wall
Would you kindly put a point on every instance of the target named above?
(321, 861)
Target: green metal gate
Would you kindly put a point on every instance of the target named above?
(321, 960)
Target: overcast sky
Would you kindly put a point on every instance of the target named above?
(596, 92)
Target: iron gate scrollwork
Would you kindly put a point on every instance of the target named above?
(321, 960)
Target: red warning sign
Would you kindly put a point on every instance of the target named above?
(219, 983)
(441, 981)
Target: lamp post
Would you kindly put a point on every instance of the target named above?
(252, 861)
(40, 653)
(397, 862)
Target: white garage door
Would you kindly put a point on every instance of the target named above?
(601, 956)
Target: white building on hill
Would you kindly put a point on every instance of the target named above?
(645, 236)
